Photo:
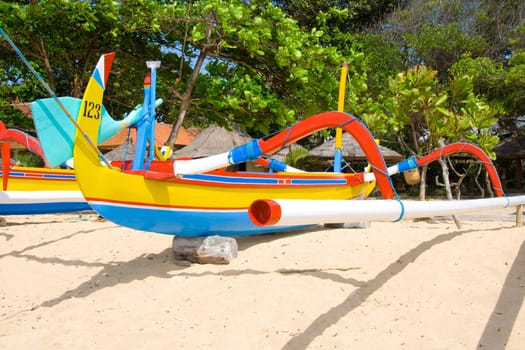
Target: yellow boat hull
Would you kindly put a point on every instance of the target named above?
(41, 191)
(213, 203)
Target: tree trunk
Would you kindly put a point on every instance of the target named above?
(185, 105)
(423, 183)
(186, 96)
(446, 181)
(47, 64)
(488, 184)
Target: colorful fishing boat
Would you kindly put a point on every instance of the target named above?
(190, 197)
(32, 190)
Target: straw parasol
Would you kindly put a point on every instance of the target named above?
(351, 150)
(213, 140)
(511, 148)
(126, 149)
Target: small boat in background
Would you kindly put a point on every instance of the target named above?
(34, 190)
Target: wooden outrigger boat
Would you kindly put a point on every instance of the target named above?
(192, 198)
(32, 190)
(189, 197)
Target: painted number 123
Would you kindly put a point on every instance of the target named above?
(91, 110)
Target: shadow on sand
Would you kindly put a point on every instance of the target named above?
(163, 265)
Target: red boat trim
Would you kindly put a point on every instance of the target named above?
(159, 206)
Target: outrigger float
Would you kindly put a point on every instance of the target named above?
(195, 197)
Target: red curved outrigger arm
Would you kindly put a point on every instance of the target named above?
(348, 123)
(22, 138)
(367, 143)
(28, 141)
(6, 159)
(464, 147)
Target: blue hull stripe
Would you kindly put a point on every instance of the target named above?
(42, 208)
(228, 179)
(184, 222)
(262, 180)
(38, 176)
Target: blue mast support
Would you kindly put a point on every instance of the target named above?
(146, 126)
(152, 65)
(338, 159)
(143, 128)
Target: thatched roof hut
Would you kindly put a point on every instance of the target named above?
(511, 148)
(162, 133)
(351, 150)
(125, 151)
(213, 140)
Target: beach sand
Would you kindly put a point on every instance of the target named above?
(72, 282)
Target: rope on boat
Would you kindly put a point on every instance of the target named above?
(402, 212)
(54, 96)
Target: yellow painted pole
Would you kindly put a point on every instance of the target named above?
(342, 88)
(340, 107)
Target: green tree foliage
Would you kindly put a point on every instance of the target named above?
(339, 16)
(414, 103)
(260, 70)
(372, 57)
(264, 65)
(436, 33)
(434, 113)
(501, 24)
(222, 61)
(63, 40)
(468, 117)
(503, 85)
